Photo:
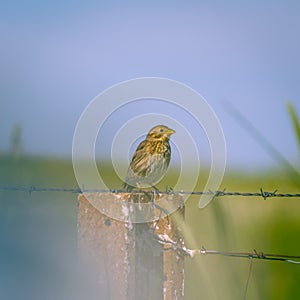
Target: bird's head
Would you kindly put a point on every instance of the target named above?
(160, 132)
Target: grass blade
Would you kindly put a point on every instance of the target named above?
(261, 140)
(295, 120)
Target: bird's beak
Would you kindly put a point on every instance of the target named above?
(171, 131)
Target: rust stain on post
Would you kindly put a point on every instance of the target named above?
(170, 228)
(127, 260)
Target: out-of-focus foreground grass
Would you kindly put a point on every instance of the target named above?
(38, 235)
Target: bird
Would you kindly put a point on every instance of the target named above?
(150, 160)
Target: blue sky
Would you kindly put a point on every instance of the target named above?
(57, 56)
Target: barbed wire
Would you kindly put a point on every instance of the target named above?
(260, 193)
(180, 247)
(251, 255)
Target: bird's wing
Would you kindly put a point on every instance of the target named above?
(140, 163)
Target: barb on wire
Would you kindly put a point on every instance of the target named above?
(261, 193)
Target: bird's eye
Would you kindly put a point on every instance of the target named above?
(161, 130)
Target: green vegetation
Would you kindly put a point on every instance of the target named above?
(242, 224)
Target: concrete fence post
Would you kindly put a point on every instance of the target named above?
(131, 261)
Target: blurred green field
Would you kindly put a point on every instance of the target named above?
(38, 232)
